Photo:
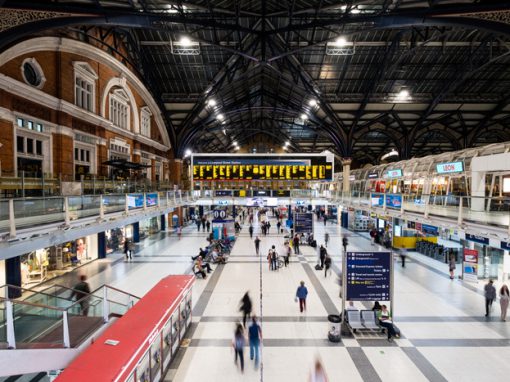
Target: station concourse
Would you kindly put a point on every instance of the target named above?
(136, 135)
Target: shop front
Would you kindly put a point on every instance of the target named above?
(47, 263)
(115, 238)
(490, 258)
(149, 227)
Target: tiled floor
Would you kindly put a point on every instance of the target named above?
(445, 334)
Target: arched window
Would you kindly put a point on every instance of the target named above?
(145, 122)
(119, 109)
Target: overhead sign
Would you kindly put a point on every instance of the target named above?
(372, 175)
(477, 239)
(368, 276)
(223, 193)
(446, 168)
(219, 214)
(221, 202)
(303, 222)
(505, 245)
(208, 167)
(396, 173)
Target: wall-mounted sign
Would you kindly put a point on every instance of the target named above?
(372, 175)
(430, 229)
(377, 200)
(477, 239)
(505, 245)
(395, 173)
(219, 214)
(394, 201)
(222, 202)
(368, 276)
(300, 203)
(207, 167)
(223, 193)
(446, 168)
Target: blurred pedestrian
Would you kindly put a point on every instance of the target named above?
(345, 243)
(238, 345)
(490, 296)
(403, 255)
(504, 297)
(257, 245)
(301, 294)
(246, 307)
(326, 239)
(250, 230)
(81, 291)
(327, 264)
(318, 373)
(451, 265)
(255, 337)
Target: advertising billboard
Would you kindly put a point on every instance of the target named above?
(394, 201)
(470, 265)
(395, 173)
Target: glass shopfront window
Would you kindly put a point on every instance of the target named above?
(47, 263)
(149, 227)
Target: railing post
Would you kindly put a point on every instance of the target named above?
(65, 326)
(459, 218)
(101, 207)
(12, 219)
(427, 200)
(106, 306)
(11, 337)
(175, 199)
(166, 195)
(180, 196)
(402, 203)
(384, 202)
(67, 216)
(126, 206)
(144, 201)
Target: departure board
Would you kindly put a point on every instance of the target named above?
(267, 167)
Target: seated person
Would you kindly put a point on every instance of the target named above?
(385, 321)
(376, 306)
(216, 257)
(197, 269)
(204, 264)
(201, 252)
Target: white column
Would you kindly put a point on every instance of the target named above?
(106, 306)
(67, 217)
(12, 219)
(477, 190)
(65, 326)
(11, 338)
(346, 170)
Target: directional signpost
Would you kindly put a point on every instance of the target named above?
(367, 276)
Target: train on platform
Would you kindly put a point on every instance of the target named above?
(139, 346)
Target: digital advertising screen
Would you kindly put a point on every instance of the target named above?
(208, 167)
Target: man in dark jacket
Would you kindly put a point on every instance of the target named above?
(490, 296)
(81, 291)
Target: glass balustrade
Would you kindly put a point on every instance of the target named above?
(3, 327)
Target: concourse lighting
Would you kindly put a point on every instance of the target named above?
(234, 143)
(211, 103)
(341, 41)
(403, 94)
(187, 153)
(304, 117)
(185, 41)
(220, 117)
(287, 143)
(312, 102)
(392, 153)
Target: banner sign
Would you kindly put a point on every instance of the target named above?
(394, 201)
(208, 167)
(152, 199)
(477, 239)
(446, 168)
(396, 173)
(135, 201)
(368, 276)
(303, 223)
(470, 265)
(430, 229)
(377, 200)
(372, 175)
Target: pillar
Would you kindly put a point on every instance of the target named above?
(163, 222)
(136, 232)
(176, 170)
(346, 170)
(13, 275)
(477, 191)
(101, 245)
(234, 210)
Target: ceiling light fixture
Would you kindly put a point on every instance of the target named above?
(403, 94)
(312, 102)
(392, 153)
(188, 153)
(341, 41)
(220, 117)
(304, 117)
(234, 143)
(211, 103)
(185, 41)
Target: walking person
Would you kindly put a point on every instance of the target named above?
(245, 307)
(327, 264)
(274, 258)
(403, 255)
(451, 265)
(504, 297)
(127, 250)
(301, 294)
(203, 223)
(238, 345)
(255, 337)
(81, 291)
(287, 255)
(296, 244)
(179, 232)
(318, 374)
(278, 227)
(326, 239)
(208, 225)
(257, 245)
(322, 255)
(250, 230)
(345, 243)
(490, 296)
(197, 222)
(325, 220)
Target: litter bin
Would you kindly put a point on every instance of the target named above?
(334, 327)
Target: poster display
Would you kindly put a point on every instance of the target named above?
(394, 201)
(135, 201)
(470, 265)
(303, 222)
(152, 199)
(368, 276)
(377, 200)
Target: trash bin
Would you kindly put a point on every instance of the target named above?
(334, 327)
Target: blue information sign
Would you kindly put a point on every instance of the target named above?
(303, 223)
(477, 239)
(393, 201)
(368, 276)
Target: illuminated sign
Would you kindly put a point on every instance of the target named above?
(394, 173)
(373, 175)
(266, 167)
(445, 168)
